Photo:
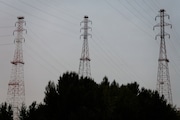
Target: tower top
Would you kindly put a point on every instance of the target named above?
(86, 16)
(20, 17)
(162, 10)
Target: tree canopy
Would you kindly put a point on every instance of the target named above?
(6, 112)
(75, 98)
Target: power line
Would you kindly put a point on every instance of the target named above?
(31, 55)
(139, 12)
(6, 36)
(48, 49)
(3, 27)
(122, 14)
(48, 13)
(6, 44)
(43, 59)
(157, 4)
(59, 10)
(144, 8)
(38, 17)
(116, 66)
(152, 9)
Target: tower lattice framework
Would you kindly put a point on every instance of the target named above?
(84, 66)
(163, 77)
(16, 88)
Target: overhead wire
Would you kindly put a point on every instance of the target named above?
(116, 65)
(151, 17)
(135, 24)
(44, 45)
(144, 8)
(127, 17)
(67, 8)
(7, 12)
(139, 13)
(173, 47)
(44, 27)
(3, 27)
(47, 51)
(152, 8)
(156, 4)
(37, 17)
(59, 9)
(175, 33)
(40, 56)
(102, 57)
(46, 12)
(109, 54)
(170, 43)
(108, 60)
(5, 44)
(6, 35)
(31, 54)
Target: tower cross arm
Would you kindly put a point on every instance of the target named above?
(166, 15)
(167, 24)
(90, 21)
(18, 40)
(18, 22)
(85, 21)
(20, 31)
(83, 28)
(157, 17)
(157, 36)
(165, 34)
(157, 25)
(82, 35)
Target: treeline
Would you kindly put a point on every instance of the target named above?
(75, 98)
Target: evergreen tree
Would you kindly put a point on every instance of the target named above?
(74, 98)
(6, 112)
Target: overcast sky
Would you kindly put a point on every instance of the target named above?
(122, 47)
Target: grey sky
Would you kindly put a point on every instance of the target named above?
(122, 47)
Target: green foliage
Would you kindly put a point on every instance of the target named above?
(23, 113)
(6, 112)
(74, 98)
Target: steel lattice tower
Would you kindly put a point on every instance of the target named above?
(16, 89)
(163, 78)
(84, 66)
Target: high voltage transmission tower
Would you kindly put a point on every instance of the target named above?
(163, 78)
(16, 89)
(84, 66)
